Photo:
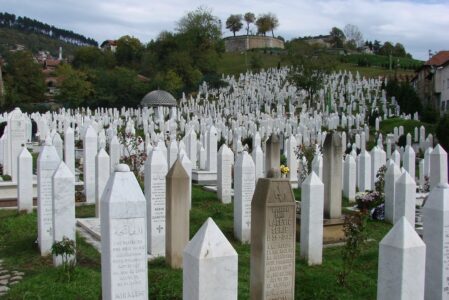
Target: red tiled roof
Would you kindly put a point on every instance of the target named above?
(438, 59)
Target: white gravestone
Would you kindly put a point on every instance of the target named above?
(90, 151)
(114, 152)
(391, 176)
(212, 149)
(438, 166)
(224, 174)
(405, 198)
(69, 149)
(210, 266)
(402, 258)
(25, 181)
(47, 163)
(312, 205)
(436, 237)
(63, 208)
(349, 178)
(155, 185)
(16, 138)
(124, 265)
(102, 173)
(244, 184)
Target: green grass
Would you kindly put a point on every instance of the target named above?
(42, 281)
(387, 126)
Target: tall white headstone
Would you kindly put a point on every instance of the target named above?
(63, 208)
(90, 151)
(102, 173)
(402, 259)
(436, 238)
(312, 205)
(212, 149)
(409, 161)
(244, 185)
(391, 176)
(16, 138)
(364, 176)
(114, 152)
(58, 143)
(25, 181)
(405, 198)
(224, 174)
(124, 262)
(349, 178)
(47, 163)
(438, 166)
(69, 149)
(155, 190)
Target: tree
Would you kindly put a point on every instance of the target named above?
(249, 19)
(201, 26)
(309, 72)
(399, 50)
(273, 21)
(24, 80)
(376, 46)
(234, 23)
(74, 89)
(263, 24)
(386, 49)
(129, 51)
(442, 132)
(353, 34)
(337, 37)
(92, 57)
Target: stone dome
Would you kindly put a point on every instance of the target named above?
(158, 98)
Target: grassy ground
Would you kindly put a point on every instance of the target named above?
(236, 63)
(43, 281)
(387, 126)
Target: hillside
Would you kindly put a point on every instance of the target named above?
(236, 63)
(33, 42)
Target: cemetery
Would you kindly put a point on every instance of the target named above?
(254, 190)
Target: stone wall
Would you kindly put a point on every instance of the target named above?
(243, 42)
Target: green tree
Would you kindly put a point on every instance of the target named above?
(263, 24)
(92, 57)
(273, 21)
(249, 18)
(376, 46)
(24, 80)
(386, 49)
(399, 50)
(129, 51)
(74, 89)
(309, 72)
(202, 27)
(337, 37)
(442, 132)
(234, 23)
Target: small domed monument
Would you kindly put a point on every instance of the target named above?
(158, 99)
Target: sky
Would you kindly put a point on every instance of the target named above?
(419, 25)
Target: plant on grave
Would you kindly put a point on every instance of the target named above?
(134, 152)
(371, 201)
(355, 233)
(426, 187)
(66, 249)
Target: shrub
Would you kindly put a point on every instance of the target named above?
(442, 132)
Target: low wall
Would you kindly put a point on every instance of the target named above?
(248, 42)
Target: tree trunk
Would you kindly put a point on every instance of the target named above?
(272, 32)
(233, 33)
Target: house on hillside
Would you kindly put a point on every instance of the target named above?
(109, 45)
(431, 82)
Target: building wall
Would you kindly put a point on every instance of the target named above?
(442, 87)
(243, 42)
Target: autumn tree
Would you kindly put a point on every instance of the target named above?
(234, 23)
(129, 51)
(249, 19)
(273, 21)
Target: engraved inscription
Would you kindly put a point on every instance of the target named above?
(280, 252)
(128, 251)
